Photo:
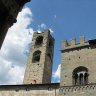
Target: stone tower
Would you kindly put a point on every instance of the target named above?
(39, 63)
(78, 68)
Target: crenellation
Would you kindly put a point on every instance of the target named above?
(73, 44)
(82, 40)
(64, 44)
(46, 31)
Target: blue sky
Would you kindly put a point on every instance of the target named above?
(66, 18)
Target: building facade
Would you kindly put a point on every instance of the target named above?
(78, 76)
(9, 10)
(78, 68)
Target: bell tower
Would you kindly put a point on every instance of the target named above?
(39, 63)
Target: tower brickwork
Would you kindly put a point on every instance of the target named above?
(39, 63)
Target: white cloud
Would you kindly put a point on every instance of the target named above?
(42, 27)
(51, 30)
(56, 74)
(12, 53)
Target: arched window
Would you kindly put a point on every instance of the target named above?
(36, 56)
(39, 40)
(80, 76)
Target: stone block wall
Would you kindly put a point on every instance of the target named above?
(30, 90)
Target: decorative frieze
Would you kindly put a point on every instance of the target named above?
(71, 89)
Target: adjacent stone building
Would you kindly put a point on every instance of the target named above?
(9, 10)
(78, 68)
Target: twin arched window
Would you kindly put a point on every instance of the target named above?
(36, 56)
(80, 76)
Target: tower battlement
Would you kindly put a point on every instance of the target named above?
(72, 43)
(46, 31)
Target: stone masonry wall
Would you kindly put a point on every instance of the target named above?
(34, 90)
